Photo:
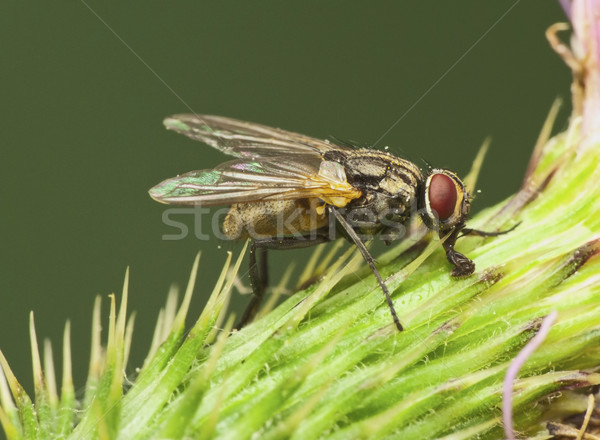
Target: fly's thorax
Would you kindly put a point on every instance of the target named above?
(389, 187)
(275, 218)
(372, 170)
(443, 201)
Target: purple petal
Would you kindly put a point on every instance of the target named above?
(513, 371)
(566, 5)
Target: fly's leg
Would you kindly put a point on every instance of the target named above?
(353, 236)
(258, 266)
(259, 280)
(464, 266)
(469, 231)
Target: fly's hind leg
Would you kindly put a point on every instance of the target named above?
(259, 280)
(259, 269)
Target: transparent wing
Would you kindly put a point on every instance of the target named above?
(245, 139)
(279, 178)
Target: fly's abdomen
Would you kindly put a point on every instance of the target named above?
(274, 219)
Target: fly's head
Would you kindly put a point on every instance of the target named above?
(443, 203)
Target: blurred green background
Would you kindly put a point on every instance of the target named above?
(82, 139)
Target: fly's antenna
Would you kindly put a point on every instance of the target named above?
(369, 259)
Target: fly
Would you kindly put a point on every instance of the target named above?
(284, 189)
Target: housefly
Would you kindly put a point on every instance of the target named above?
(286, 189)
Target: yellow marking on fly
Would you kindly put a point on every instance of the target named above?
(338, 201)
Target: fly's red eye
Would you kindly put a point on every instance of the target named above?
(442, 195)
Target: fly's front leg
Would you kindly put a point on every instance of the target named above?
(463, 266)
(477, 232)
(258, 266)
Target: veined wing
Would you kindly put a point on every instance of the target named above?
(245, 139)
(246, 181)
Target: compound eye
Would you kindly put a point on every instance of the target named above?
(442, 195)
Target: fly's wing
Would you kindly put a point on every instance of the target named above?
(247, 181)
(245, 139)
